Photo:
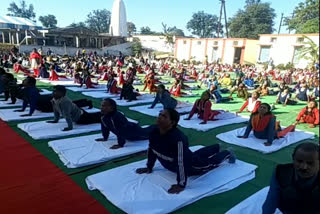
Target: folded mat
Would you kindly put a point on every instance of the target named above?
(19, 102)
(253, 204)
(181, 108)
(147, 193)
(83, 89)
(8, 103)
(83, 151)
(144, 98)
(257, 144)
(223, 119)
(43, 130)
(61, 81)
(99, 94)
(9, 115)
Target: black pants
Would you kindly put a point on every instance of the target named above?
(44, 103)
(89, 118)
(207, 158)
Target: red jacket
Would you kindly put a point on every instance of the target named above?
(313, 118)
(176, 91)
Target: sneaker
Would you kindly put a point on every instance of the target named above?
(232, 158)
(90, 105)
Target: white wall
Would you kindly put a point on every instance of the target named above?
(282, 50)
(183, 49)
(198, 49)
(125, 48)
(156, 43)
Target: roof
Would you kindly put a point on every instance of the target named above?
(14, 22)
(73, 31)
(299, 34)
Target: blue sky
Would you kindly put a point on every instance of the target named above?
(147, 12)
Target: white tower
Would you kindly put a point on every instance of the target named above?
(118, 25)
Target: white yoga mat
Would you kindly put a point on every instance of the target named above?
(253, 204)
(181, 108)
(99, 94)
(223, 120)
(257, 144)
(147, 193)
(144, 98)
(84, 151)
(19, 102)
(43, 130)
(9, 115)
(83, 88)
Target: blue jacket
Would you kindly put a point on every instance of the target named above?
(166, 100)
(249, 82)
(118, 124)
(31, 97)
(172, 151)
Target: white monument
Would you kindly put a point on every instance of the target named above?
(118, 25)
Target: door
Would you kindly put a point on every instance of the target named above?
(237, 55)
(214, 56)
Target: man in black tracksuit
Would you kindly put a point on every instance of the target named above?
(170, 146)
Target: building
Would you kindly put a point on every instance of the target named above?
(226, 51)
(118, 25)
(15, 30)
(283, 48)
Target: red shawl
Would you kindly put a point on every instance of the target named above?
(259, 124)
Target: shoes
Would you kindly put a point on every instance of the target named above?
(232, 158)
(90, 105)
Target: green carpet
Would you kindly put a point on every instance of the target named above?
(215, 204)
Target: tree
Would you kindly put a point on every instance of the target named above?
(48, 21)
(146, 31)
(79, 24)
(136, 47)
(24, 11)
(310, 51)
(99, 20)
(306, 17)
(131, 28)
(256, 18)
(203, 25)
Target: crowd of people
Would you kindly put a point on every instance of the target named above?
(168, 144)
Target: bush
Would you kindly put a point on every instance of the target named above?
(289, 65)
(281, 67)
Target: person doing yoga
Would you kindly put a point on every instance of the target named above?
(170, 147)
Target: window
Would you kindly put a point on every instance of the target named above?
(300, 39)
(235, 43)
(264, 54)
(199, 42)
(215, 43)
(184, 42)
(273, 39)
(296, 54)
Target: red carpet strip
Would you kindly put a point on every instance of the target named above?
(30, 183)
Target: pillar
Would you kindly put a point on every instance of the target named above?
(3, 39)
(17, 37)
(10, 41)
(26, 32)
(77, 41)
